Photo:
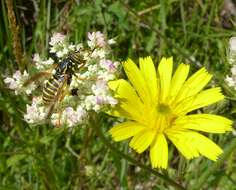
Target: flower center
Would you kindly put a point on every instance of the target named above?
(165, 117)
(163, 109)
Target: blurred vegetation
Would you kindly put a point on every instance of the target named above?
(40, 157)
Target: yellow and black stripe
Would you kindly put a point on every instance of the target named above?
(50, 90)
(76, 58)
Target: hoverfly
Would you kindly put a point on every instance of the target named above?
(56, 87)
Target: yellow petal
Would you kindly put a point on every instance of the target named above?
(137, 80)
(165, 73)
(148, 71)
(159, 152)
(197, 144)
(182, 144)
(178, 80)
(129, 105)
(204, 122)
(200, 100)
(205, 146)
(194, 84)
(125, 130)
(141, 141)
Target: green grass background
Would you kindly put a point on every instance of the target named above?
(40, 157)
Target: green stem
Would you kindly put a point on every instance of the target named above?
(99, 133)
(205, 176)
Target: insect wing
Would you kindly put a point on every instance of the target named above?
(36, 77)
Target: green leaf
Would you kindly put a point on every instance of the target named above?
(15, 159)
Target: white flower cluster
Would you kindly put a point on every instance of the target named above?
(42, 64)
(231, 79)
(36, 111)
(88, 89)
(60, 45)
(16, 83)
(69, 117)
(100, 97)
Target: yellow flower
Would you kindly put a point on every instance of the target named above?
(156, 104)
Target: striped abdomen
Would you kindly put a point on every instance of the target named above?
(50, 90)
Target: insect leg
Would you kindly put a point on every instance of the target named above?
(64, 93)
(58, 124)
(86, 78)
